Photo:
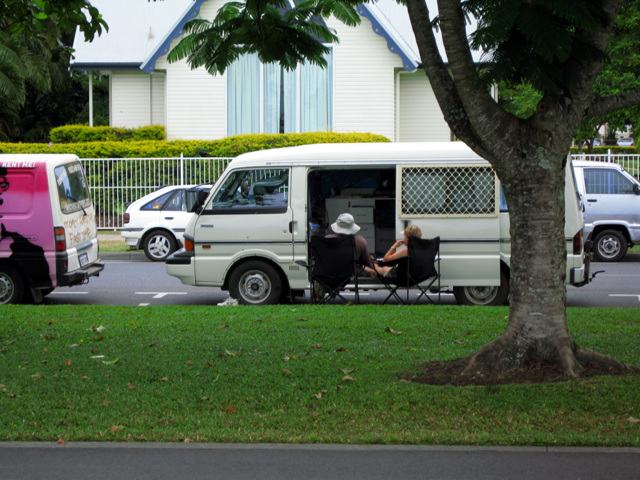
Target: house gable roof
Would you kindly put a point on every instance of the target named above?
(141, 31)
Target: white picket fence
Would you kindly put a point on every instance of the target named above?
(115, 182)
(630, 162)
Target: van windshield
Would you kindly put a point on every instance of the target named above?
(72, 187)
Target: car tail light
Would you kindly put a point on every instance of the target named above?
(577, 243)
(61, 239)
(188, 244)
(127, 218)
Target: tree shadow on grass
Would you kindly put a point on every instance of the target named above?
(449, 373)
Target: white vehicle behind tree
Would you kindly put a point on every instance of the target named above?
(256, 222)
(611, 203)
(155, 223)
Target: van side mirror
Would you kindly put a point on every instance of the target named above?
(198, 196)
(636, 189)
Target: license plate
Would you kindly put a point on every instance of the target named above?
(84, 259)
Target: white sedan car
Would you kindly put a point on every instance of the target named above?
(156, 222)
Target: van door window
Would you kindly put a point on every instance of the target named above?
(253, 191)
(606, 181)
(72, 187)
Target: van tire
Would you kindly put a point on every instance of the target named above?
(486, 296)
(158, 245)
(609, 246)
(255, 283)
(11, 285)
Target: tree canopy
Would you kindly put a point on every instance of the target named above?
(35, 39)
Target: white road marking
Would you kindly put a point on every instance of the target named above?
(68, 293)
(624, 295)
(160, 294)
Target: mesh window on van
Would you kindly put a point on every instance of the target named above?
(448, 191)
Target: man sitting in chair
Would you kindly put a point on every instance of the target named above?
(396, 253)
(346, 225)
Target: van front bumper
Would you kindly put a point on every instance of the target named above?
(180, 265)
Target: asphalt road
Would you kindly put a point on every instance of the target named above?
(111, 461)
(131, 279)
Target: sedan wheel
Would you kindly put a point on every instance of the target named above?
(159, 245)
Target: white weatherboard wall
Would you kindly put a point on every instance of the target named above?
(420, 117)
(137, 99)
(363, 81)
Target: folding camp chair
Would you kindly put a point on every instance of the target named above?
(333, 266)
(420, 269)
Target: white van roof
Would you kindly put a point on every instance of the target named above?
(360, 153)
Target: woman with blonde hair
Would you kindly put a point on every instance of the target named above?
(398, 251)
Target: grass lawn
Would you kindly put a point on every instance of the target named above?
(328, 374)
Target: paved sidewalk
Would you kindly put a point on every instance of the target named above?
(170, 461)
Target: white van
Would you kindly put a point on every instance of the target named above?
(48, 234)
(255, 223)
(611, 203)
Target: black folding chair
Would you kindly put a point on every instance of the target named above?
(333, 266)
(420, 269)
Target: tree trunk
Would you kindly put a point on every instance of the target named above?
(537, 330)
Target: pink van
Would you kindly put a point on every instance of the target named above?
(48, 234)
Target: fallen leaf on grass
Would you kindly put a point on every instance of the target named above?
(189, 362)
(131, 386)
(347, 371)
(105, 402)
(67, 363)
(347, 378)
(231, 354)
(319, 394)
(461, 342)
(115, 428)
(389, 330)
(317, 345)
(163, 379)
(286, 372)
(341, 349)
(60, 441)
(230, 409)
(633, 420)
(111, 362)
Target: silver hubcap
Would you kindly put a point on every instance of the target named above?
(255, 286)
(609, 247)
(6, 288)
(481, 295)
(159, 246)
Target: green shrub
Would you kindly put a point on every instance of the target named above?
(84, 133)
(225, 147)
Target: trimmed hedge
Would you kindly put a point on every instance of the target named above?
(615, 150)
(84, 133)
(226, 147)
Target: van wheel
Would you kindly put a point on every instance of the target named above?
(609, 246)
(487, 296)
(255, 283)
(158, 245)
(11, 285)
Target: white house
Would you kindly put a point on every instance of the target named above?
(373, 83)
